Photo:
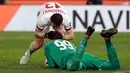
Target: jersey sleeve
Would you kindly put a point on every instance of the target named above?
(42, 21)
(51, 63)
(67, 23)
(39, 25)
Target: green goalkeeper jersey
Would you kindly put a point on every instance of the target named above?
(58, 52)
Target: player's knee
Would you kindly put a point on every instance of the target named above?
(73, 66)
(117, 66)
(36, 45)
(39, 45)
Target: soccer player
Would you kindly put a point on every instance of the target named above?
(50, 16)
(64, 55)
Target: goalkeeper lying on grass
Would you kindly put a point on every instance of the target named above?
(64, 55)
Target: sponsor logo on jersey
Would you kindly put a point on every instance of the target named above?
(54, 11)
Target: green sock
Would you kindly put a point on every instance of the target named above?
(111, 50)
(112, 54)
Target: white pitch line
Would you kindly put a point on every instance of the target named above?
(7, 38)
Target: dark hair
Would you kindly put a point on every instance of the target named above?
(1, 1)
(56, 19)
(94, 2)
(53, 35)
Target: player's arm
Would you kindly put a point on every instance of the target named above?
(38, 33)
(50, 61)
(40, 28)
(68, 27)
(69, 34)
(41, 31)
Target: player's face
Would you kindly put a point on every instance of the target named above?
(59, 29)
(56, 26)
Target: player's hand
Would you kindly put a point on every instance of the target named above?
(60, 29)
(46, 63)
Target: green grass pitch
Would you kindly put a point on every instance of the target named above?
(14, 44)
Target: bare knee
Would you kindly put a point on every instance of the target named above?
(38, 43)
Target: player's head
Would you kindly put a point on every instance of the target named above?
(53, 35)
(56, 19)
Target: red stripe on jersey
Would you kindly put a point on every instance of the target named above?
(38, 28)
(68, 29)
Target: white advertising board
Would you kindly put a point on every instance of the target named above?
(82, 16)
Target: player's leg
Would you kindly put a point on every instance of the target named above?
(74, 63)
(111, 51)
(35, 45)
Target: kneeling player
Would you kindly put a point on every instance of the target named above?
(64, 55)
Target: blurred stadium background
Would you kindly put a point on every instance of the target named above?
(18, 20)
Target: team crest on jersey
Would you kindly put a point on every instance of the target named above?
(69, 25)
(38, 13)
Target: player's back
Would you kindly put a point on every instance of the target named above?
(60, 51)
(47, 10)
(50, 8)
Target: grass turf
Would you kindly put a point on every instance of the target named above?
(14, 44)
